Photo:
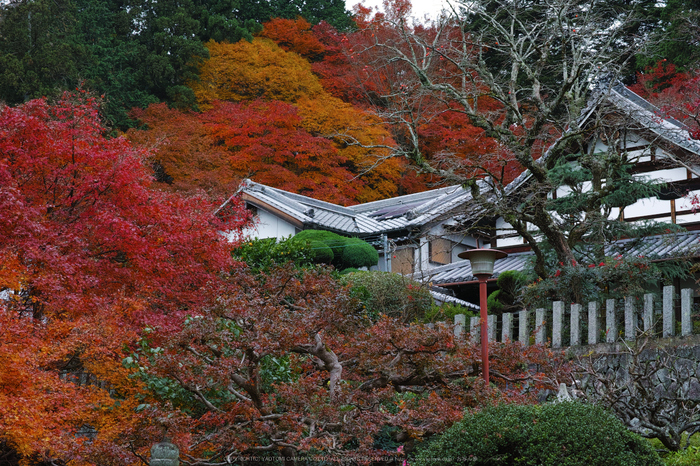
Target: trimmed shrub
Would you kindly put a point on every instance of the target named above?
(358, 254)
(346, 252)
(559, 434)
(333, 240)
(320, 252)
(390, 294)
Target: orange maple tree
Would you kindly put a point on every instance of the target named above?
(261, 69)
(268, 142)
(181, 148)
(253, 70)
(295, 35)
(265, 141)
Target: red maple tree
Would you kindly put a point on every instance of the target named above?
(89, 256)
(295, 367)
(676, 93)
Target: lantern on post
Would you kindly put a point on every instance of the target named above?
(165, 453)
(482, 261)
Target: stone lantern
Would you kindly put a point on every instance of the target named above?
(165, 453)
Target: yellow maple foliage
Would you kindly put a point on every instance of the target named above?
(361, 138)
(263, 70)
(251, 70)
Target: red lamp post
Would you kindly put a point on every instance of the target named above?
(482, 261)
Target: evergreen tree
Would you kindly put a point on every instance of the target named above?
(676, 37)
(314, 11)
(39, 50)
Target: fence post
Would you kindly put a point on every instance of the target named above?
(491, 321)
(474, 329)
(541, 325)
(669, 312)
(648, 313)
(610, 322)
(523, 333)
(592, 323)
(507, 330)
(575, 325)
(630, 318)
(460, 322)
(557, 317)
(686, 306)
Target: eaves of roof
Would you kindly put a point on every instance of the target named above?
(360, 220)
(653, 119)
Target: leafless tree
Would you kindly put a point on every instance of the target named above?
(532, 75)
(652, 390)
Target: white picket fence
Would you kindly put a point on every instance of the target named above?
(563, 327)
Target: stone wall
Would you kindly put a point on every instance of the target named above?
(669, 367)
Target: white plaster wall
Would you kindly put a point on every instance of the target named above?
(505, 228)
(649, 206)
(634, 139)
(423, 255)
(514, 241)
(269, 226)
(687, 218)
(667, 175)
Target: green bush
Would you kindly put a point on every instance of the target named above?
(345, 252)
(688, 457)
(390, 294)
(358, 254)
(447, 313)
(333, 240)
(262, 254)
(320, 252)
(507, 297)
(561, 434)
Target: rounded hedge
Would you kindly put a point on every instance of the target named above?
(559, 434)
(344, 252)
(358, 254)
(320, 252)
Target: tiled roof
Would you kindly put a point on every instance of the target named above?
(396, 214)
(461, 272)
(656, 247)
(653, 119)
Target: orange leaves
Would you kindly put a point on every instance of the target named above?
(181, 144)
(269, 140)
(263, 140)
(291, 135)
(361, 139)
(261, 69)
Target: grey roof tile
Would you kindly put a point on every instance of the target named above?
(656, 247)
(411, 211)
